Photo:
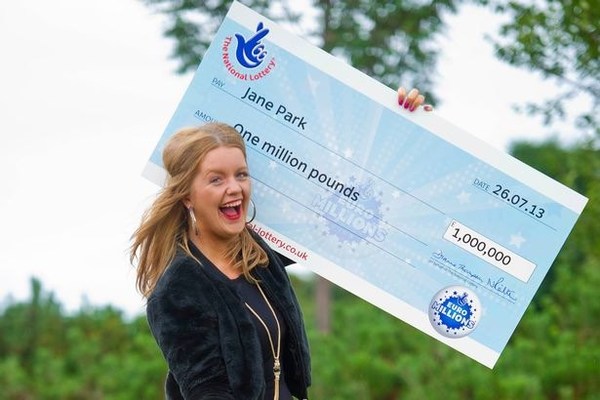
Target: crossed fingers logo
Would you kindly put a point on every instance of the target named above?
(250, 53)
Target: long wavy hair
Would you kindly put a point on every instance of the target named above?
(165, 224)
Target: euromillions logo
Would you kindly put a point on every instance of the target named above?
(455, 311)
(352, 215)
(250, 53)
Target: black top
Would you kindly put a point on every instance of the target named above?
(250, 294)
(209, 338)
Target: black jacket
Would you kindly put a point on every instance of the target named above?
(210, 342)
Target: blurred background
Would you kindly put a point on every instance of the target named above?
(86, 89)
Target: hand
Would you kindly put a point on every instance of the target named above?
(413, 100)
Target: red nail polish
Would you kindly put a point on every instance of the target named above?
(413, 108)
(406, 105)
(400, 101)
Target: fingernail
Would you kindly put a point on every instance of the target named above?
(406, 105)
(413, 108)
(400, 101)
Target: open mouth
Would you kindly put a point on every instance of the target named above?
(232, 210)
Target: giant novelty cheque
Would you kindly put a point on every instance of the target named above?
(405, 210)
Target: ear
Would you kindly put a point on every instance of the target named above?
(187, 203)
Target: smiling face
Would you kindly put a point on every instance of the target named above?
(220, 193)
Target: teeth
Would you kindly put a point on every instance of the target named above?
(233, 204)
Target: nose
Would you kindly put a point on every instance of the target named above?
(233, 187)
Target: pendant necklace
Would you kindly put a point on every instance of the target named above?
(276, 351)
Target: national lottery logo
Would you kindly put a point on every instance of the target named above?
(251, 53)
(242, 58)
(455, 311)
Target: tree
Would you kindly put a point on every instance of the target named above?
(578, 167)
(92, 354)
(567, 307)
(392, 41)
(560, 40)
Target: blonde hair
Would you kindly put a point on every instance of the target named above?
(165, 224)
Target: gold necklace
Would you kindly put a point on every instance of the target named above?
(276, 352)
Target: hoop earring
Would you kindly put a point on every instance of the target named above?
(253, 211)
(193, 218)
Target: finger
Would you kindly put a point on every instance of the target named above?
(410, 99)
(428, 107)
(401, 96)
(418, 101)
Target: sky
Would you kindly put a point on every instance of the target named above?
(86, 89)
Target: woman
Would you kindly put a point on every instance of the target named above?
(220, 303)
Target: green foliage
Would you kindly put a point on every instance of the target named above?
(98, 354)
(554, 353)
(577, 167)
(93, 354)
(559, 39)
(390, 41)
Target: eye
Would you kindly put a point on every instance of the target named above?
(214, 180)
(243, 175)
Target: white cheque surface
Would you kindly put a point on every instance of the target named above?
(404, 210)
